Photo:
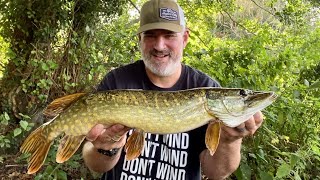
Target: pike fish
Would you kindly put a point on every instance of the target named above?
(159, 112)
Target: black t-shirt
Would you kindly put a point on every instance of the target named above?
(172, 156)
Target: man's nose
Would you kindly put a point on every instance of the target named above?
(160, 43)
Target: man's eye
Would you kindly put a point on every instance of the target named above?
(170, 35)
(148, 35)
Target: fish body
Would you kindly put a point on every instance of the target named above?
(159, 112)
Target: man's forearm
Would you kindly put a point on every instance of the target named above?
(224, 162)
(96, 161)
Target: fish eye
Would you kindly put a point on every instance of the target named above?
(243, 92)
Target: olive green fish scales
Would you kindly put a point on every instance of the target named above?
(147, 111)
(155, 112)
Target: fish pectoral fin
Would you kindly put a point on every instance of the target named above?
(60, 104)
(68, 146)
(38, 145)
(213, 136)
(135, 144)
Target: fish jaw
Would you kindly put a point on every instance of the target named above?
(235, 106)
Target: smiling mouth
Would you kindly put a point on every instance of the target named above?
(160, 55)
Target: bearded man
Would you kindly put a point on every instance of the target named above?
(162, 37)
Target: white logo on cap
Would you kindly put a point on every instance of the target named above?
(168, 14)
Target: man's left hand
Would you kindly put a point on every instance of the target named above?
(247, 128)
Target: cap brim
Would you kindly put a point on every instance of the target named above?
(161, 25)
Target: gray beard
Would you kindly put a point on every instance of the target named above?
(159, 69)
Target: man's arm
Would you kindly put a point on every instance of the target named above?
(101, 137)
(227, 157)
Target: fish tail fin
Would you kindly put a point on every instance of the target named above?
(68, 146)
(135, 144)
(38, 145)
(213, 136)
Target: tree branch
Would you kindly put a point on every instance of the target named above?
(204, 43)
(237, 22)
(135, 6)
(262, 8)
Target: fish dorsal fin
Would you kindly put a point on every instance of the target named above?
(60, 104)
(68, 146)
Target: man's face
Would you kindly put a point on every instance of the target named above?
(162, 50)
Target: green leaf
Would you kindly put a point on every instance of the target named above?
(6, 116)
(87, 28)
(53, 65)
(296, 94)
(3, 119)
(24, 124)
(246, 170)
(265, 176)
(293, 160)
(49, 169)
(315, 149)
(315, 85)
(296, 176)
(16, 132)
(243, 172)
(45, 67)
(61, 175)
(306, 82)
(283, 170)
(24, 116)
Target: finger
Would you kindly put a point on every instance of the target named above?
(95, 132)
(241, 128)
(119, 129)
(107, 142)
(234, 132)
(113, 137)
(115, 131)
(250, 124)
(258, 117)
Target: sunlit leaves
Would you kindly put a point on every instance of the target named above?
(279, 54)
(283, 170)
(315, 85)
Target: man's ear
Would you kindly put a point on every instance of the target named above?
(139, 39)
(185, 37)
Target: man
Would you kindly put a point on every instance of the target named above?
(162, 37)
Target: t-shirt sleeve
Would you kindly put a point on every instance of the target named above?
(107, 83)
(206, 81)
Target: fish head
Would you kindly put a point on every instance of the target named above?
(235, 106)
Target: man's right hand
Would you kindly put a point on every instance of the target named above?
(107, 138)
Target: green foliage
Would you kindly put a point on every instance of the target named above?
(47, 49)
(281, 56)
(53, 170)
(3, 57)
(315, 85)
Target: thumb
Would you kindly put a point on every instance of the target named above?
(95, 132)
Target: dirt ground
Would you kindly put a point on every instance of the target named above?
(12, 170)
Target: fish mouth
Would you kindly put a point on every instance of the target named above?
(274, 96)
(261, 96)
(256, 102)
